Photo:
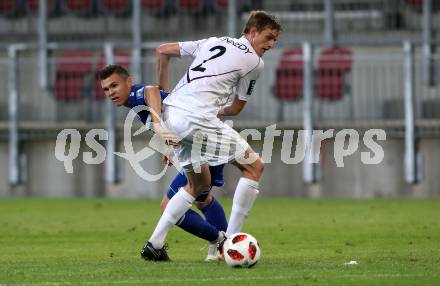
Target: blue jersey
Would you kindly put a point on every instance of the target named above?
(137, 98)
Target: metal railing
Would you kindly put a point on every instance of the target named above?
(366, 86)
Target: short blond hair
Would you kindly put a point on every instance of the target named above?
(261, 20)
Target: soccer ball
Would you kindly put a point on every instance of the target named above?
(241, 250)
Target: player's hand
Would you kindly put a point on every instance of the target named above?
(168, 156)
(167, 160)
(168, 136)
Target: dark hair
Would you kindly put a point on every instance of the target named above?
(111, 69)
(261, 20)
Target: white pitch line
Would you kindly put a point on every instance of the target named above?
(151, 281)
(387, 275)
(158, 281)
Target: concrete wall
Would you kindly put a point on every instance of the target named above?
(46, 175)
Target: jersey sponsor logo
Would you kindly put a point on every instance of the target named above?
(251, 87)
(240, 46)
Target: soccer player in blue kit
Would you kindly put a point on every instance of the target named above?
(117, 85)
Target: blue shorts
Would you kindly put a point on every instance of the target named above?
(180, 181)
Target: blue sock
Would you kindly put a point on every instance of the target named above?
(215, 215)
(193, 223)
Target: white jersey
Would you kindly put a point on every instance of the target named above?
(221, 68)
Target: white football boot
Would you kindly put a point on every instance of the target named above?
(213, 253)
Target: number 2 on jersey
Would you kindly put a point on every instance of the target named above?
(221, 51)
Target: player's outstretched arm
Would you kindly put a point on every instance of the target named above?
(235, 108)
(153, 100)
(163, 54)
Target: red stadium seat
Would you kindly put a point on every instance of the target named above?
(79, 7)
(118, 7)
(121, 58)
(193, 6)
(72, 69)
(10, 7)
(417, 5)
(32, 6)
(154, 6)
(334, 64)
(289, 75)
(222, 5)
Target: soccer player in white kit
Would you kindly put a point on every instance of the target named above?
(221, 69)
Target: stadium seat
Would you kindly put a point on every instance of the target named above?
(222, 5)
(73, 70)
(115, 7)
(121, 58)
(32, 6)
(289, 75)
(192, 6)
(78, 7)
(10, 8)
(417, 5)
(333, 65)
(154, 6)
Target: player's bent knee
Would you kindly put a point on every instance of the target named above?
(203, 188)
(197, 190)
(203, 204)
(202, 185)
(257, 168)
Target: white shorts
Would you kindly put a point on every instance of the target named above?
(203, 140)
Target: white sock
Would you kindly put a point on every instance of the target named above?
(244, 197)
(179, 204)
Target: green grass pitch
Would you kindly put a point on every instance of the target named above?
(303, 242)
